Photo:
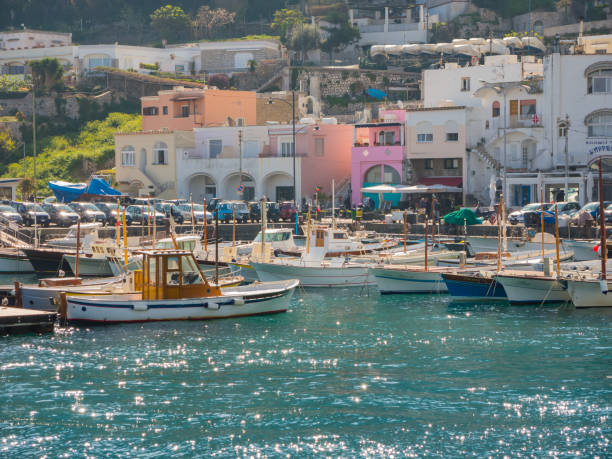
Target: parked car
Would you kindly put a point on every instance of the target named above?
(254, 211)
(7, 213)
(226, 209)
(198, 212)
(61, 214)
(518, 216)
(593, 208)
(529, 215)
(212, 204)
(608, 213)
(563, 208)
(287, 211)
(88, 212)
(141, 215)
(30, 212)
(110, 210)
(169, 208)
(273, 212)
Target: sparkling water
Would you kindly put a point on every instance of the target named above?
(343, 373)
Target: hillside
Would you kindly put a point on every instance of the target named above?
(73, 157)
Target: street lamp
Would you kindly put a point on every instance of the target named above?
(270, 102)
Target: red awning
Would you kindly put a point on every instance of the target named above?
(448, 181)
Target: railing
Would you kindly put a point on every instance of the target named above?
(11, 234)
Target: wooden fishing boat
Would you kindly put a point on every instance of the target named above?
(171, 287)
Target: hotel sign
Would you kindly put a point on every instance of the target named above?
(599, 146)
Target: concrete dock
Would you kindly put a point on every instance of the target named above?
(19, 320)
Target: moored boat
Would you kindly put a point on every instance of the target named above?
(14, 261)
(475, 286)
(408, 279)
(590, 292)
(532, 287)
(177, 290)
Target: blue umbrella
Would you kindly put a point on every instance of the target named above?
(376, 93)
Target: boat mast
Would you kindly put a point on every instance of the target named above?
(125, 247)
(117, 224)
(333, 204)
(542, 224)
(205, 230)
(34, 158)
(192, 218)
(557, 238)
(405, 229)
(501, 197)
(216, 246)
(78, 246)
(426, 239)
(602, 224)
(234, 225)
(308, 232)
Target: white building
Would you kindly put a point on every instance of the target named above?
(28, 39)
(446, 10)
(389, 26)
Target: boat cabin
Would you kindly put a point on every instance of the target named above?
(172, 274)
(190, 243)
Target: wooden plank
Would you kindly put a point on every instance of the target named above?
(18, 320)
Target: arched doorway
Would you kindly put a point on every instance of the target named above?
(202, 186)
(231, 183)
(278, 186)
(382, 173)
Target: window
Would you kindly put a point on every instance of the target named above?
(424, 131)
(319, 146)
(465, 84)
(381, 138)
(160, 153)
(390, 138)
(600, 124)
(250, 149)
(240, 122)
(600, 82)
(451, 163)
(452, 131)
(165, 109)
(373, 175)
(99, 61)
(528, 109)
(562, 131)
(128, 156)
(429, 164)
(185, 111)
(215, 146)
(16, 69)
(495, 110)
(391, 175)
(286, 147)
(150, 111)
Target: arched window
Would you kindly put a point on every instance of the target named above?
(128, 156)
(452, 131)
(495, 109)
(373, 175)
(424, 131)
(599, 123)
(160, 153)
(391, 176)
(599, 78)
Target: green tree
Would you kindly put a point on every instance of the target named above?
(564, 5)
(171, 22)
(252, 64)
(303, 39)
(283, 22)
(340, 36)
(47, 74)
(209, 19)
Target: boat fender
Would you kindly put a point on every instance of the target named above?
(238, 301)
(140, 306)
(604, 286)
(213, 306)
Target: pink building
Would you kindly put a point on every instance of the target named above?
(377, 154)
(188, 108)
(323, 153)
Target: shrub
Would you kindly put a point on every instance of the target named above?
(219, 80)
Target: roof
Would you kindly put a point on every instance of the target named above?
(362, 125)
(433, 109)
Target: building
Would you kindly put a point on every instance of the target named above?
(445, 10)
(29, 39)
(187, 108)
(436, 147)
(377, 155)
(380, 24)
(8, 188)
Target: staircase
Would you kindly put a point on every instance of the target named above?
(342, 191)
(486, 157)
(11, 236)
(269, 81)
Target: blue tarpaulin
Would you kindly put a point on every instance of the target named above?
(67, 192)
(376, 93)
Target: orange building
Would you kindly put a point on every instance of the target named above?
(188, 108)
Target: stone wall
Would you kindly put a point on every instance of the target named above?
(67, 103)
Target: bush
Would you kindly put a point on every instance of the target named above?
(219, 80)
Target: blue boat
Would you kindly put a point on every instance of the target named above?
(469, 287)
(68, 192)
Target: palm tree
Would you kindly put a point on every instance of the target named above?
(252, 64)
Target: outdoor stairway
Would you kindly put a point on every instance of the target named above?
(10, 236)
(268, 82)
(487, 158)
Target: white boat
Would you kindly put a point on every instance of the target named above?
(588, 292)
(313, 269)
(88, 235)
(408, 279)
(96, 261)
(178, 291)
(14, 261)
(583, 249)
(530, 287)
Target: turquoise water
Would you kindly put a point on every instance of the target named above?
(340, 374)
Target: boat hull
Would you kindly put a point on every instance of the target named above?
(237, 302)
(315, 276)
(47, 298)
(533, 290)
(47, 262)
(407, 281)
(588, 294)
(471, 288)
(89, 266)
(15, 263)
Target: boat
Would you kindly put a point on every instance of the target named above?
(590, 292)
(408, 279)
(88, 234)
(13, 260)
(177, 291)
(531, 287)
(96, 262)
(98, 186)
(473, 286)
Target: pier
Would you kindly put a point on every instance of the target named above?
(19, 320)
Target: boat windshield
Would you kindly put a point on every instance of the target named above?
(274, 237)
(191, 273)
(187, 245)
